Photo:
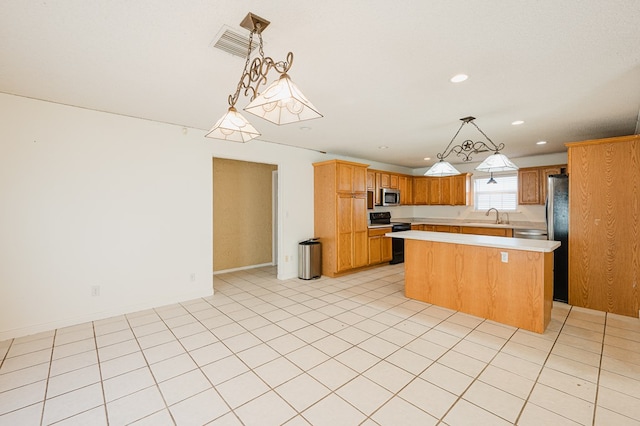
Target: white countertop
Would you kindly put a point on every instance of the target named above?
(479, 240)
(473, 223)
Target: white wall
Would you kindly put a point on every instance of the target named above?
(95, 199)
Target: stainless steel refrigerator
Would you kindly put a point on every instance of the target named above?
(558, 230)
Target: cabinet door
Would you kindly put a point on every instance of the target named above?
(435, 194)
(544, 175)
(529, 186)
(460, 190)
(351, 178)
(393, 181)
(360, 180)
(360, 231)
(405, 187)
(445, 190)
(375, 250)
(344, 241)
(420, 191)
(385, 180)
(387, 253)
(371, 180)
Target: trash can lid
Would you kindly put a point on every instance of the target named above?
(310, 242)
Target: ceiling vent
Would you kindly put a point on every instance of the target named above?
(232, 42)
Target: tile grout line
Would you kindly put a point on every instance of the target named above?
(46, 388)
(104, 397)
(526, 401)
(595, 400)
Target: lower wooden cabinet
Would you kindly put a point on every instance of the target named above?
(495, 232)
(477, 230)
(352, 231)
(379, 246)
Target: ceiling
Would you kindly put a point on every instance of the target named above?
(377, 70)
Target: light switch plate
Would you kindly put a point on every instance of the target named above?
(504, 256)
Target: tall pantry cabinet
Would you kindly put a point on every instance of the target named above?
(340, 221)
(604, 224)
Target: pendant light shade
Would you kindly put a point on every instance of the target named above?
(442, 168)
(233, 127)
(496, 163)
(282, 103)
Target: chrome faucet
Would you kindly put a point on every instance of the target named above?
(502, 218)
(497, 214)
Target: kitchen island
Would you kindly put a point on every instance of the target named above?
(507, 280)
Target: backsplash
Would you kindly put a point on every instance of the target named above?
(533, 213)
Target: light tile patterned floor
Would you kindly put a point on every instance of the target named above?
(344, 351)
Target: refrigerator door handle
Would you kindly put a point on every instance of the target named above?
(549, 211)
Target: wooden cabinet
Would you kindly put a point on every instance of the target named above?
(442, 191)
(545, 172)
(420, 191)
(379, 246)
(604, 224)
(460, 190)
(495, 232)
(351, 177)
(532, 183)
(405, 185)
(461, 229)
(352, 241)
(371, 180)
(387, 180)
(529, 186)
(340, 219)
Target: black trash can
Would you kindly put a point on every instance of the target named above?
(309, 259)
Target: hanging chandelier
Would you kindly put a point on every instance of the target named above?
(281, 102)
(496, 162)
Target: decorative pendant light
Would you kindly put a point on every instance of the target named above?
(442, 168)
(281, 102)
(494, 163)
(233, 127)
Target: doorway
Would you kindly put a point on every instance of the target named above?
(244, 214)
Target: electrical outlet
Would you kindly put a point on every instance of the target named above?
(95, 290)
(286, 258)
(504, 256)
(192, 277)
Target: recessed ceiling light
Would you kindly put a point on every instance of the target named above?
(541, 142)
(517, 123)
(459, 78)
(427, 158)
(305, 128)
(383, 147)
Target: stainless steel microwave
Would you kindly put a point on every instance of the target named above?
(390, 197)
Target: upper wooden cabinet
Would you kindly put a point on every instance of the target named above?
(420, 191)
(442, 191)
(371, 180)
(532, 183)
(405, 185)
(382, 179)
(351, 177)
(604, 218)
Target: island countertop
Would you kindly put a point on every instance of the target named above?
(544, 246)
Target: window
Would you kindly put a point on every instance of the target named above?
(502, 195)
